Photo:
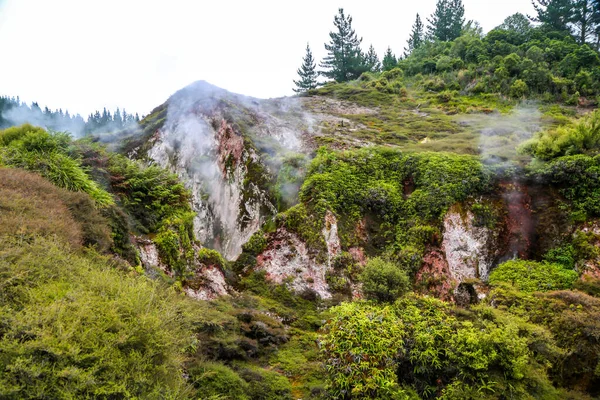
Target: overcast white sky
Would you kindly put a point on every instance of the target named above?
(87, 54)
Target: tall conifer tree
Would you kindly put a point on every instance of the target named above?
(371, 60)
(554, 14)
(343, 61)
(447, 22)
(584, 19)
(416, 37)
(307, 73)
(389, 60)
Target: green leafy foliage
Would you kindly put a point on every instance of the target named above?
(218, 381)
(150, 193)
(513, 59)
(266, 385)
(159, 203)
(75, 327)
(401, 194)
(362, 371)
(531, 276)
(419, 345)
(48, 153)
(577, 179)
(583, 137)
(383, 281)
(573, 318)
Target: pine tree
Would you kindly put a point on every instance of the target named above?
(517, 23)
(118, 119)
(307, 73)
(343, 61)
(389, 60)
(371, 60)
(596, 21)
(553, 14)
(416, 37)
(584, 19)
(447, 22)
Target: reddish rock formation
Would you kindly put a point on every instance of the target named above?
(434, 276)
(230, 147)
(519, 223)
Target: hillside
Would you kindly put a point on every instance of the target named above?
(429, 231)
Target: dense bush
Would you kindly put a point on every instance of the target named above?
(75, 327)
(150, 193)
(577, 179)
(218, 381)
(266, 385)
(403, 194)
(511, 62)
(359, 349)
(531, 276)
(383, 281)
(419, 345)
(573, 318)
(37, 150)
(159, 203)
(583, 137)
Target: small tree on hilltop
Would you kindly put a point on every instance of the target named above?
(371, 60)
(389, 60)
(344, 60)
(416, 37)
(307, 73)
(447, 22)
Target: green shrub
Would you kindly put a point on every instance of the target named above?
(150, 194)
(47, 153)
(266, 385)
(383, 281)
(580, 138)
(359, 349)
(577, 180)
(85, 330)
(518, 89)
(422, 345)
(256, 244)
(220, 381)
(531, 276)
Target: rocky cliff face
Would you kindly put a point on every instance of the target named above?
(469, 250)
(209, 140)
(229, 149)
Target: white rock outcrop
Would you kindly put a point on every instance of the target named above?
(467, 247)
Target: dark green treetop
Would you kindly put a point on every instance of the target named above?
(553, 14)
(389, 60)
(371, 60)
(343, 61)
(307, 73)
(416, 38)
(447, 21)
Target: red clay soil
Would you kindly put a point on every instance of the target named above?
(519, 223)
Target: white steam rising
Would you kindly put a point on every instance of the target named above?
(201, 141)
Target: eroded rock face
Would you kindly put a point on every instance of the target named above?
(330, 233)
(149, 256)
(468, 249)
(210, 284)
(210, 156)
(434, 277)
(287, 259)
(208, 281)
